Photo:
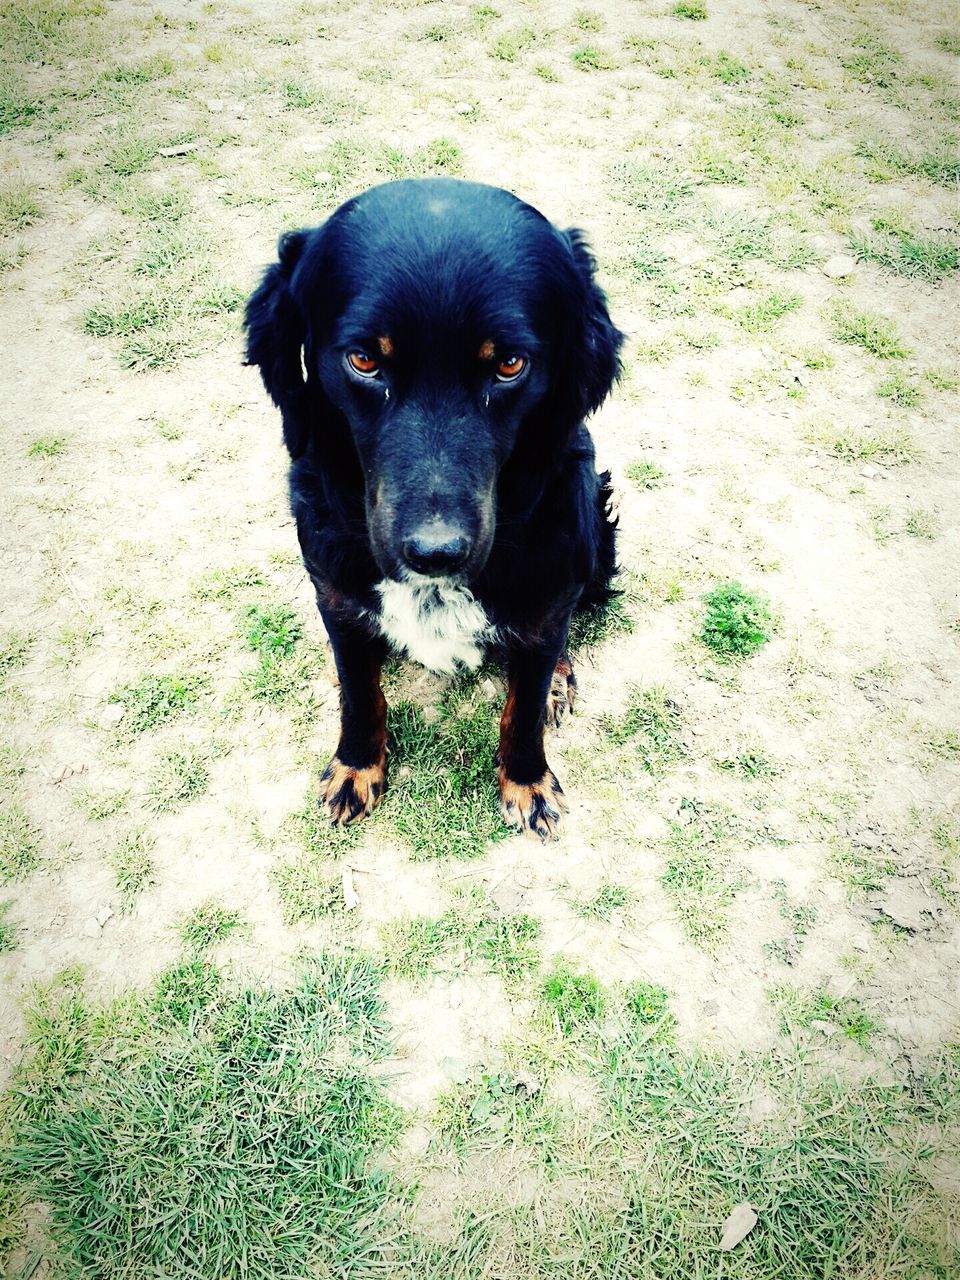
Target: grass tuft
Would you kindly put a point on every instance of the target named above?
(208, 924)
(867, 329)
(19, 842)
(650, 724)
(157, 699)
(737, 622)
(133, 864)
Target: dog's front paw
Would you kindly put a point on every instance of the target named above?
(563, 692)
(348, 794)
(533, 808)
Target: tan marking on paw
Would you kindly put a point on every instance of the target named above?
(348, 794)
(563, 692)
(536, 808)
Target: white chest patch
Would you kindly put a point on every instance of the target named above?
(437, 623)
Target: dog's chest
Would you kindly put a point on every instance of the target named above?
(438, 624)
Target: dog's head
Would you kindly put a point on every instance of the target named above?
(441, 334)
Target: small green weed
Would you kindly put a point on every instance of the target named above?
(508, 945)
(509, 46)
(158, 699)
(133, 866)
(737, 623)
(902, 390)
(308, 884)
(645, 474)
(227, 584)
(601, 906)
(595, 623)
(801, 917)
(692, 9)
(180, 777)
(8, 930)
(751, 763)
(651, 724)
(861, 870)
(592, 59)
(647, 1008)
(905, 254)
(575, 1003)
(19, 842)
(47, 447)
(867, 329)
(762, 315)
(98, 805)
(443, 799)
(818, 1010)
(15, 649)
(208, 924)
(921, 523)
(698, 875)
(273, 630)
(19, 207)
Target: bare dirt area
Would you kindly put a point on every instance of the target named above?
(735, 977)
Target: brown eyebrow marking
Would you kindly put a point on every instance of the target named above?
(385, 343)
(486, 350)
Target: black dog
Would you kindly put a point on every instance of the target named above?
(434, 348)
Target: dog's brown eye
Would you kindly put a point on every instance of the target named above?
(363, 364)
(511, 368)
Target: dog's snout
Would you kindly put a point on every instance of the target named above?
(436, 550)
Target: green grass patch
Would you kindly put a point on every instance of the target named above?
(245, 1119)
(902, 390)
(645, 474)
(133, 864)
(207, 924)
(228, 584)
(601, 905)
(694, 10)
(509, 46)
(867, 329)
(19, 207)
(751, 763)
(800, 1010)
(99, 805)
(179, 778)
(891, 446)
(800, 916)
(15, 647)
(906, 254)
(472, 931)
(8, 942)
(574, 1002)
(19, 841)
(834, 1171)
(646, 1009)
(47, 447)
(590, 58)
(156, 700)
(443, 799)
(309, 883)
(650, 724)
(272, 630)
(762, 315)
(737, 622)
(699, 875)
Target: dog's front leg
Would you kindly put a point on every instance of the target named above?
(532, 799)
(355, 779)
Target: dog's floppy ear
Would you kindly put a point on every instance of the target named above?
(592, 360)
(276, 331)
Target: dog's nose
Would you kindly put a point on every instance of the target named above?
(436, 550)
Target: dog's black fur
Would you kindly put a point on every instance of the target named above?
(390, 339)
